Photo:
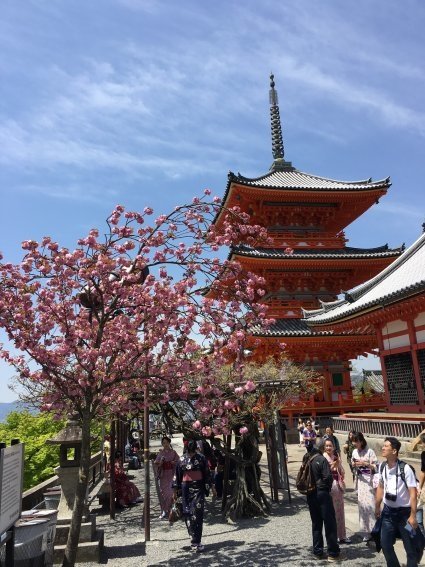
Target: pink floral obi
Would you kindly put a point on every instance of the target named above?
(188, 476)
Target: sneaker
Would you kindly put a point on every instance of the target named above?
(335, 558)
(200, 548)
(346, 540)
(367, 539)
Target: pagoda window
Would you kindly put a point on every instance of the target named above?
(421, 362)
(337, 379)
(401, 379)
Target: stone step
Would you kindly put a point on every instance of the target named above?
(88, 551)
(87, 532)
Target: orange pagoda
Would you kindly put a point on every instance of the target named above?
(308, 265)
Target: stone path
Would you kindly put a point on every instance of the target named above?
(284, 538)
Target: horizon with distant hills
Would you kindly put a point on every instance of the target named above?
(8, 407)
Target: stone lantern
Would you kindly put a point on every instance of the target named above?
(69, 440)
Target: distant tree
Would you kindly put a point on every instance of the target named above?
(33, 430)
(94, 324)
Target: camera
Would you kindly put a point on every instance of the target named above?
(391, 497)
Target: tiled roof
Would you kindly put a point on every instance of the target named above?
(403, 278)
(291, 178)
(313, 253)
(288, 328)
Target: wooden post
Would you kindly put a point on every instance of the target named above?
(226, 472)
(146, 508)
(272, 451)
(285, 462)
(112, 473)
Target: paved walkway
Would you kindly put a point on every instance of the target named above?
(283, 538)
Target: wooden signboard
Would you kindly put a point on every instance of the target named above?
(11, 484)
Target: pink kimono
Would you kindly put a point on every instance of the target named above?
(165, 466)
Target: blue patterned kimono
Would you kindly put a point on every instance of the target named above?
(193, 493)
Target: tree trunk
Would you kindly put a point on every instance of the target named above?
(248, 498)
(80, 496)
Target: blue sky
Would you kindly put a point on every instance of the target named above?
(144, 102)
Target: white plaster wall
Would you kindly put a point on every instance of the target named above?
(420, 337)
(420, 319)
(396, 342)
(394, 327)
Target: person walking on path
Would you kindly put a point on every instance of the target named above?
(338, 488)
(348, 449)
(364, 462)
(165, 466)
(399, 513)
(309, 436)
(321, 508)
(301, 427)
(193, 479)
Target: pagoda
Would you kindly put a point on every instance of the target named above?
(308, 265)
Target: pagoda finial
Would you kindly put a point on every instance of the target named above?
(277, 140)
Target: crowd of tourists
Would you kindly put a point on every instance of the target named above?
(389, 495)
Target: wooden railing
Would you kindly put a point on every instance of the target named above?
(403, 430)
(35, 495)
(345, 402)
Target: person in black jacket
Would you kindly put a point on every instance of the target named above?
(321, 508)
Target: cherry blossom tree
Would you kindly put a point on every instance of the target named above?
(249, 393)
(92, 325)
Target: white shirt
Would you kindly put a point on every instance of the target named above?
(394, 484)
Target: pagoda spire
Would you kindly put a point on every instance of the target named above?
(278, 148)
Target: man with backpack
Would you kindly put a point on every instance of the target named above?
(397, 488)
(319, 501)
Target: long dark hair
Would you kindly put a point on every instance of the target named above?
(359, 437)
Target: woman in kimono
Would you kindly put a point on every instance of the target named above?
(193, 479)
(126, 492)
(165, 466)
(337, 490)
(364, 463)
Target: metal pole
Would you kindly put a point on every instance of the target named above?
(146, 509)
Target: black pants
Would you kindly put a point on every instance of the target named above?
(322, 513)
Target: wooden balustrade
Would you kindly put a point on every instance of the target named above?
(35, 495)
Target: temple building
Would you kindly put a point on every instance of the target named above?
(308, 265)
(392, 305)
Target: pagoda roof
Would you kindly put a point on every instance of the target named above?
(289, 178)
(402, 279)
(291, 327)
(317, 253)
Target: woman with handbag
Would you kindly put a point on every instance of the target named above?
(338, 488)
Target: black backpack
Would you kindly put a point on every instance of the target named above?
(402, 465)
(305, 482)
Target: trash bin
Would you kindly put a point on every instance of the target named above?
(52, 498)
(49, 538)
(30, 543)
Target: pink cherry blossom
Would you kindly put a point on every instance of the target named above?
(243, 430)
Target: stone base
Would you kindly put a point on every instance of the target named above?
(88, 551)
(87, 533)
(89, 545)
